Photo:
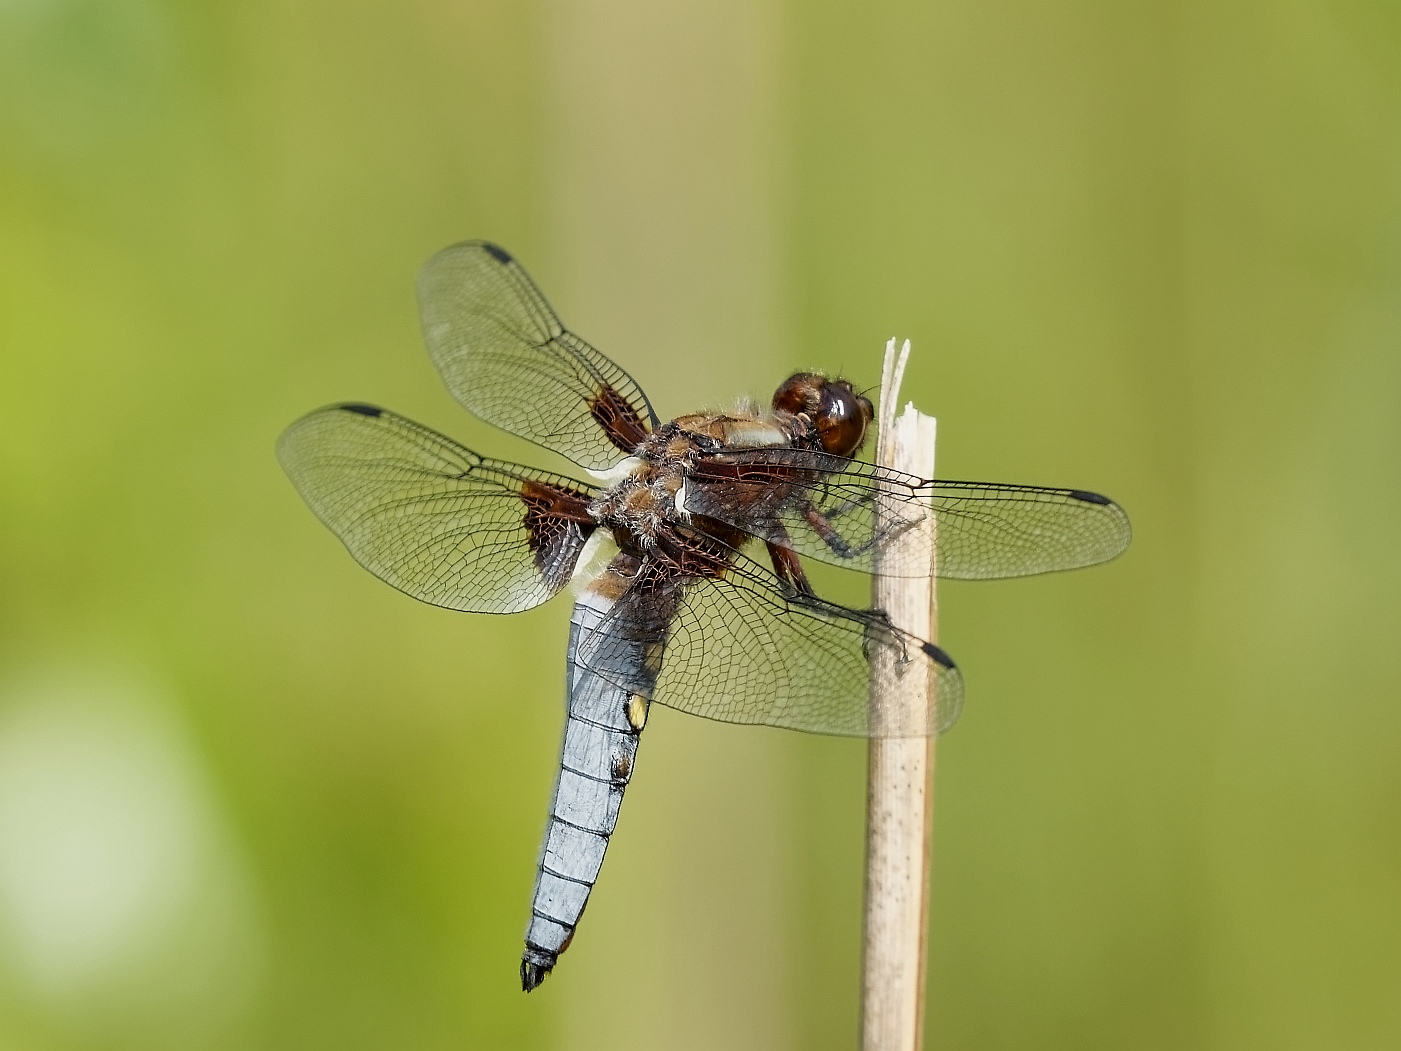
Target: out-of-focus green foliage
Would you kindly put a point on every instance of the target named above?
(250, 797)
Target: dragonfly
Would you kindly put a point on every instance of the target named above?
(683, 550)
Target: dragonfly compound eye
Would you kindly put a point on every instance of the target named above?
(842, 418)
(800, 393)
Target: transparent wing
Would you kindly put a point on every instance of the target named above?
(744, 649)
(432, 518)
(505, 355)
(837, 510)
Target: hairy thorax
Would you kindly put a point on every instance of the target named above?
(647, 500)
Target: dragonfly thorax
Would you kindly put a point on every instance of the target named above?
(640, 506)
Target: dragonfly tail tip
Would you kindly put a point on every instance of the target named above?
(535, 965)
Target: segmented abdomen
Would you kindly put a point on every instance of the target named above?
(606, 716)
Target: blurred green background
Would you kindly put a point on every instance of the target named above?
(252, 798)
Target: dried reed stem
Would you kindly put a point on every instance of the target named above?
(899, 793)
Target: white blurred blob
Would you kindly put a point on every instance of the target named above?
(120, 893)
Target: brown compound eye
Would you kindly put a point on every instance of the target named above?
(800, 393)
(842, 418)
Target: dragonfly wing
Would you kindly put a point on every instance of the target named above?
(505, 355)
(743, 648)
(432, 518)
(838, 510)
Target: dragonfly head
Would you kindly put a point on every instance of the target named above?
(839, 413)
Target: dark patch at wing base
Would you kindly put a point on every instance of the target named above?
(508, 359)
(434, 519)
(554, 516)
(619, 420)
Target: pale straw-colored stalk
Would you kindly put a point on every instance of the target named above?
(900, 773)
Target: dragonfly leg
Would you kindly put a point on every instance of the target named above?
(835, 511)
(789, 568)
(889, 533)
(828, 532)
(822, 525)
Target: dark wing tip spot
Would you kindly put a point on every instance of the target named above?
(1090, 498)
(937, 655)
(497, 252)
(361, 408)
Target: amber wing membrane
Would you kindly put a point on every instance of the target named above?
(507, 358)
(745, 648)
(432, 518)
(838, 510)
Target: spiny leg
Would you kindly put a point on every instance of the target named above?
(822, 525)
(828, 532)
(789, 567)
